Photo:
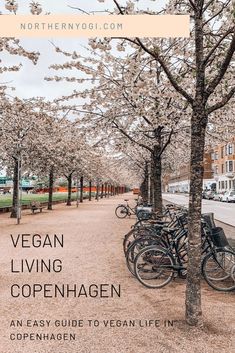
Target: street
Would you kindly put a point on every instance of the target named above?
(223, 212)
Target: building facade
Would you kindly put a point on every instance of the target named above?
(223, 166)
(180, 181)
(219, 171)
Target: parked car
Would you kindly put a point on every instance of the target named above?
(218, 196)
(229, 196)
(203, 194)
(209, 195)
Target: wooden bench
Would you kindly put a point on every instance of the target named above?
(35, 206)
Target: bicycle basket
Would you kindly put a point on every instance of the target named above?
(218, 237)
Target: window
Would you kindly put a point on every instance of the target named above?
(229, 166)
(222, 184)
(230, 148)
(226, 184)
(212, 155)
(216, 169)
(222, 168)
(216, 155)
(229, 184)
(222, 152)
(219, 185)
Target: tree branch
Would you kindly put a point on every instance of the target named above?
(169, 75)
(167, 143)
(119, 7)
(216, 46)
(131, 139)
(177, 87)
(223, 102)
(224, 66)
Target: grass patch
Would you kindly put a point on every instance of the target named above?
(6, 200)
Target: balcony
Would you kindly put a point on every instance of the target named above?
(230, 175)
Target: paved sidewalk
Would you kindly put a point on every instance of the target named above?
(92, 254)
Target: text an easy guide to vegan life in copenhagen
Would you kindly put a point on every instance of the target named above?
(76, 324)
(55, 265)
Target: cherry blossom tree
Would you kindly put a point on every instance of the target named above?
(129, 97)
(19, 123)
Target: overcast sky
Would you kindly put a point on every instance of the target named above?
(29, 81)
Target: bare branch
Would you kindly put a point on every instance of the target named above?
(167, 143)
(77, 8)
(131, 139)
(224, 66)
(216, 45)
(223, 102)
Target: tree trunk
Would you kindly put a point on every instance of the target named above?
(15, 190)
(198, 128)
(157, 179)
(193, 287)
(81, 189)
(51, 184)
(97, 192)
(144, 186)
(105, 190)
(89, 190)
(151, 185)
(102, 190)
(69, 178)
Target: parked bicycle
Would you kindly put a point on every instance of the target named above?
(157, 251)
(140, 210)
(124, 210)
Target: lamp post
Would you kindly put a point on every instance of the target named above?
(19, 188)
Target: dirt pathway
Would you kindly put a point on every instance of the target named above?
(92, 255)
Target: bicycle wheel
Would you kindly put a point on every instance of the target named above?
(217, 269)
(134, 234)
(128, 238)
(182, 255)
(136, 246)
(233, 272)
(154, 267)
(121, 211)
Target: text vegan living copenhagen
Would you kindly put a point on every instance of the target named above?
(55, 265)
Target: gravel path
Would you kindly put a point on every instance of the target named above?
(92, 254)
